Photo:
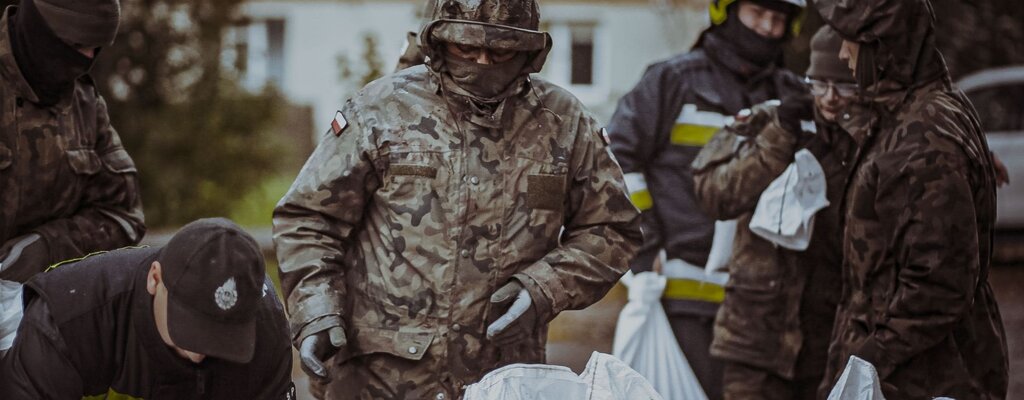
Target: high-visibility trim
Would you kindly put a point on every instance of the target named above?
(695, 128)
(636, 185)
(111, 395)
(692, 135)
(690, 289)
(95, 253)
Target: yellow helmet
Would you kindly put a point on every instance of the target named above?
(718, 11)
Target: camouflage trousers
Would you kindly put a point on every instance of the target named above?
(385, 376)
(745, 382)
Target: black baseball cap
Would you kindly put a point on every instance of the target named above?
(214, 274)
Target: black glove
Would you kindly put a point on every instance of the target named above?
(316, 348)
(794, 109)
(518, 321)
(23, 257)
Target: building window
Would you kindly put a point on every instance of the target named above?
(255, 51)
(582, 54)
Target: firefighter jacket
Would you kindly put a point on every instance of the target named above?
(414, 209)
(657, 131)
(918, 213)
(63, 171)
(779, 303)
(89, 330)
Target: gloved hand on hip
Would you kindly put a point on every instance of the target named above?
(316, 348)
(794, 109)
(23, 257)
(520, 319)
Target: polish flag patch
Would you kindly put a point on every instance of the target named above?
(339, 124)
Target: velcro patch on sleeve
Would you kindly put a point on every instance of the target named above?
(339, 123)
(545, 192)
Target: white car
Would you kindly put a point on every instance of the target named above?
(998, 95)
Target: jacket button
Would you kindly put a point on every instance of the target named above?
(413, 350)
(464, 253)
(440, 396)
(474, 180)
(456, 328)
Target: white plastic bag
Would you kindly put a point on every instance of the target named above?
(644, 340)
(10, 312)
(605, 378)
(858, 382)
(785, 212)
(721, 249)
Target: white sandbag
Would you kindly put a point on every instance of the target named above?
(858, 382)
(644, 340)
(785, 212)
(612, 379)
(721, 248)
(605, 378)
(10, 312)
(529, 381)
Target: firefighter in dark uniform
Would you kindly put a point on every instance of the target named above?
(660, 126)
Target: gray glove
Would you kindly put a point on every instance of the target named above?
(316, 348)
(519, 321)
(23, 257)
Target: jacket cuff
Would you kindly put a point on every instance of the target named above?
(777, 140)
(873, 352)
(542, 300)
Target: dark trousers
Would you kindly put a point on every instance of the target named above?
(745, 382)
(692, 323)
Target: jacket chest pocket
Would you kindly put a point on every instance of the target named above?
(413, 181)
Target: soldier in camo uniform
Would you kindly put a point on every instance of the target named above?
(450, 213)
(919, 211)
(67, 186)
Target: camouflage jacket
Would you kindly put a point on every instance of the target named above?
(779, 304)
(401, 226)
(919, 212)
(63, 171)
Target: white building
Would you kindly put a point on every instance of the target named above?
(314, 50)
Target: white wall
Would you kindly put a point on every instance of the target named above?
(627, 39)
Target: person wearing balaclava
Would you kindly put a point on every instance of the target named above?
(918, 216)
(67, 186)
(452, 210)
(659, 127)
(772, 331)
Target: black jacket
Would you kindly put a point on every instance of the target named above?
(657, 131)
(89, 330)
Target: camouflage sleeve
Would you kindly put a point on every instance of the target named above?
(602, 232)
(110, 212)
(314, 221)
(936, 251)
(734, 168)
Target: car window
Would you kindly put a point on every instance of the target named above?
(1001, 108)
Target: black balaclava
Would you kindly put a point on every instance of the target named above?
(487, 82)
(49, 65)
(747, 43)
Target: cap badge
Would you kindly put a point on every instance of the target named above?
(226, 295)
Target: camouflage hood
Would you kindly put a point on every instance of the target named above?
(897, 41)
(505, 25)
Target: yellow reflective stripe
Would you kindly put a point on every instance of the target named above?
(692, 135)
(695, 128)
(636, 185)
(111, 395)
(95, 253)
(642, 200)
(689, 289)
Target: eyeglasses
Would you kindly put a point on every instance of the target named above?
(820, 88)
